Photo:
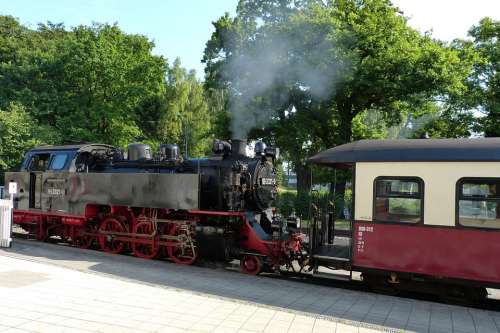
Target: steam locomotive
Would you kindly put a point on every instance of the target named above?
(218, 207)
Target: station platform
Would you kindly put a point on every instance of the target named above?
(55, 288)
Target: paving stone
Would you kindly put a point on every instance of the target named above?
(221, 329)
(147, 296)
(463, 330)
(277, 326)
(417, 328)
(12, 321)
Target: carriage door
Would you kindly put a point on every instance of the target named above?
(38, 165)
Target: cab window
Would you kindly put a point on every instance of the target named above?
(58, 161)
(479, 202)
(39, 162)
(398, 199)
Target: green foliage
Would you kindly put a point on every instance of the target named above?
(183, 115)
(88, 83)
(369, 125)
(291, 201)
(448, 124)
(344, 66)
(16, 128)
(98, 84)
(105, 75)
(280, 173)
(485, 81)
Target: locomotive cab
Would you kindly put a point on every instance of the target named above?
(70, 158)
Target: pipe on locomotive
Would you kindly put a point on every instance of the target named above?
(239, 147)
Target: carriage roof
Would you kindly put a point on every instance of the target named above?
(411, 150)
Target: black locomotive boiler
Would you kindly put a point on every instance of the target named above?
(156, 204)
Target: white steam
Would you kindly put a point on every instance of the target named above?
(270, 68)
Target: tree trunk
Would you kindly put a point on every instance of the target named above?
(303, 179)
(302, 203)
(345, 125)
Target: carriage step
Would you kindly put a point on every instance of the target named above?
(331, 276)
(333, 259)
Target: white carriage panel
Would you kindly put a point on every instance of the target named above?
(440, 179)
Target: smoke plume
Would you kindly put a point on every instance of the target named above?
(262, 75)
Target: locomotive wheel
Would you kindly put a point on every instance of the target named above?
(141, 250)
(83, 241)
(251, 265)
(107, 243)
(184, 251)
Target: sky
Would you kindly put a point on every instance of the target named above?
(180, 28)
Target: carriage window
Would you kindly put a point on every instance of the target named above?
(479, 202)
(58, 161)
(39, 162)
(398, 199)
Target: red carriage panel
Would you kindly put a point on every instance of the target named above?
(450, 252)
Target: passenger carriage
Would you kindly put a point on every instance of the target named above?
(422, 210)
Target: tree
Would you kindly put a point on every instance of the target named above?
(485, 81)
(330, 63)
(184, 117)
(97, 84)
(89, 83)
(105, 76)
(18, 133)
(449, 123)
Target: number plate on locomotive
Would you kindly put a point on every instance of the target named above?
(268, 181)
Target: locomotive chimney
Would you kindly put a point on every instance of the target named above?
(239, 147)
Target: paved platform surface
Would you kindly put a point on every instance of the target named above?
(51, 288)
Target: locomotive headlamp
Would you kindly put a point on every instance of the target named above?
(259, 148)
(272, 152)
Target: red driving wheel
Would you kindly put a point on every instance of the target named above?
(107, 242)
(82, 240)
(145, 250)
(251, 264)
(183, 252)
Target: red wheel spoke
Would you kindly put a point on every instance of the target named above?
(82, 240)
(107, 241)
(147, 251)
